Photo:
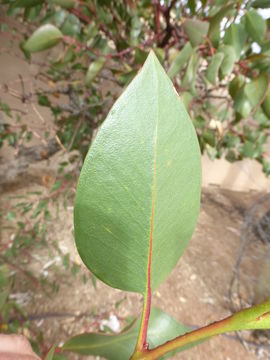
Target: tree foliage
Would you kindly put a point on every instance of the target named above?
(217, 53)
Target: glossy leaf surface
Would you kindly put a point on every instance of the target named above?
(139, 186)
(162, 328)
(43, 38)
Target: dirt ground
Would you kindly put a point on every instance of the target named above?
(195, 293)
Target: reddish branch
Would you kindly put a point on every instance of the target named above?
(157, 17)
(169, 28)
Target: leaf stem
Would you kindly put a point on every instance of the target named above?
(255, 317)
(142, 345)
(141, 342)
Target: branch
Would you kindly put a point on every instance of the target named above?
(169, 28)
(255, 317)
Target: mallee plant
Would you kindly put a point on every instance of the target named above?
(137, 205)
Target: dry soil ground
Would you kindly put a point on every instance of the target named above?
(196, 292)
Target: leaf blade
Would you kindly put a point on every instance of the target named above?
(235, 36)
(180, 60)
(94, 69)
(256, 89)
(213, 68)
(255, 25)
(43, 38)
(114, 201)
(196, 30)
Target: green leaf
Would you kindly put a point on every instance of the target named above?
(266, 105)
(94, 69)
(11, 215)
(256, 89)
(31, 13)
(43, 38)
(43, 203)
(255, 25)
(247, 150)
(162, 328)
(192, 6)
(190, 73)
(229, 59)
(50, 354)
(261, 61)
(266, 167)
(5, 108)
(236, 83)
(241, 103)
(71, 26)
(125, 78)
(179, 62)
(139, 185)
(4, 285)
(214, 28)
(209, 137)
(66, 4)
(43, 100)
(235, 36)
(27, 3)
(160, 54)
(195, 30)
(186, 98)
(263, 4)
(140, 56)
(59, 357)
(213, 68)
(136, 28)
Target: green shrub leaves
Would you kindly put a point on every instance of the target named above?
(43, 38)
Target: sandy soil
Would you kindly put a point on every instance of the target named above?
(195, 293)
